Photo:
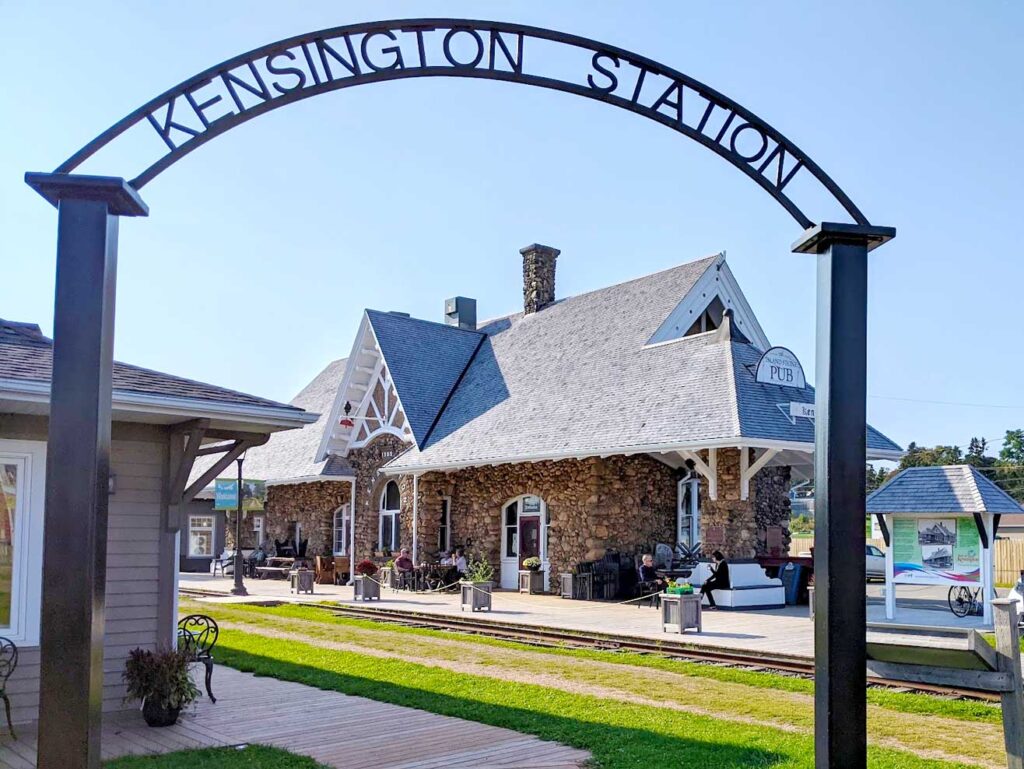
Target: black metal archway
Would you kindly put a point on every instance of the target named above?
(211, 103)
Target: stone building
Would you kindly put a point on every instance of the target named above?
(621, 418)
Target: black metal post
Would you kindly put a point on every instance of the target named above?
(78, 466)
(239, 588)
(840, 653)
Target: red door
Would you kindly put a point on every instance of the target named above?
(529, 538)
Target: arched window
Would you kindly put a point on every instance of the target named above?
(341, 530)
(390, 516)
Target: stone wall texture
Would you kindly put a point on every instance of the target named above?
(538, 277)
(594, 505)
(310, 504)
(625, 503)
(773, 510)
(366, 462)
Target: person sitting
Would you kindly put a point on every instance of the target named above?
(404, 566)
(459, 561)
(648, 574)
(719, 579)
(445, 558)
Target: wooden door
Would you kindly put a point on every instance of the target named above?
(529, 538)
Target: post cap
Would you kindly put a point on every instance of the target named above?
(121, 198)
(816, 239)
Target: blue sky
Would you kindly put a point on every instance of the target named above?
(264, 246)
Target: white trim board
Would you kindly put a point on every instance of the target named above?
(27, 541)
(665, 448)
(717, 280)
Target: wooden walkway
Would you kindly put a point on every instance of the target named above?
(335, 729)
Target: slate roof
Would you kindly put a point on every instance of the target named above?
(289, 455)
(577, 378)
(425, 360)
(953, 489)
(758, 406)
(27, 355)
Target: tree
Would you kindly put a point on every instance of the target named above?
(920, 456)
(1009, 468)
(874, 478)
(976, 453)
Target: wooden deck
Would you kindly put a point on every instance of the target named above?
(335, 729)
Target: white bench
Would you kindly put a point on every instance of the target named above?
(750, 588)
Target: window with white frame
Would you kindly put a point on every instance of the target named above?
(688, 513)
(444, 526)
(390, 517)
(200, 536)
(341, 530)
(22, 488)
(257, 530)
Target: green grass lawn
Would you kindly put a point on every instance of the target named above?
(250, 757)
(904, 702)
(620, 735)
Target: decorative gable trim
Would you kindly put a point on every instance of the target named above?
(719, 281)
(376, 406)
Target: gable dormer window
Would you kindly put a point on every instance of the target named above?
(709, 319)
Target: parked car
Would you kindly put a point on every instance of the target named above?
(875, 562)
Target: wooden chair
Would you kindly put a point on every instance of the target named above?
(198, 634)
(8, 662)
(324, 570)
(342, 568)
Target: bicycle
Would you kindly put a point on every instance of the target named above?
(963, 601)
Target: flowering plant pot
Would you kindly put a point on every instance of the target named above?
(162, 680)
(476, 596)
(157, 714)
(366, 588)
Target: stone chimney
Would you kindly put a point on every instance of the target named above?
(538, 277)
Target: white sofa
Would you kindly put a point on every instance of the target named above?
(750, 588)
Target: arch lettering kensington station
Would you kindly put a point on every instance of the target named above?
(81, 403)
(241, 88)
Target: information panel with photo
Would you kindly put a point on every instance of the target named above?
(936, 551)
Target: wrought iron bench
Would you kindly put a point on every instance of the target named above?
(8, 662)
(198, 634)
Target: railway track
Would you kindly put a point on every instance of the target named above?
(536, 635)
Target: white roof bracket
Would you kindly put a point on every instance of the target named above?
(748, 471)
(708, 469)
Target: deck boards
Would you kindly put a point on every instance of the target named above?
(333, 728)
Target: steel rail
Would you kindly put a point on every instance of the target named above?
(540, 635)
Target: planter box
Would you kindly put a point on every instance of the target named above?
(366, 588)
(476, 595)
(680, 613)
(577, 586)
(532, 582)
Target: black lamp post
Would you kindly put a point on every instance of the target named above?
(239, 588)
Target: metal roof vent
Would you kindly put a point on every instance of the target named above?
(460, 311)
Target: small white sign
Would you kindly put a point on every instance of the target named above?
(801, 410)
(780, 366)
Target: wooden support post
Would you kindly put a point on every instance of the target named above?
(1008, 656)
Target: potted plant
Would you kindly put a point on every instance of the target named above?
(162, 681)
(366, 587)
(531, 579)
(476, 585)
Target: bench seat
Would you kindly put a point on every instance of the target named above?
(750, 588)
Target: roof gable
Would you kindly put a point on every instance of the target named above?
(716, 282)
(27, 355)
(426, 361)
(951, 489)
